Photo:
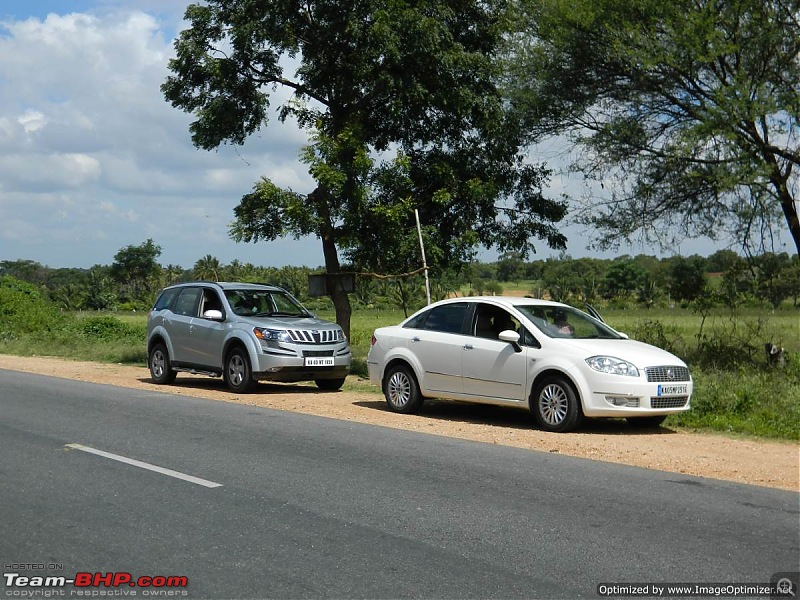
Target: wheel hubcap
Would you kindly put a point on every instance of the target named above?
(157, 364)
(236, 370)
(553, 404)
(399, 390)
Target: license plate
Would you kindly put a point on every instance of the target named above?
(319, 361)
(673, 390)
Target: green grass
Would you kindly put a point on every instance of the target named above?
(735, 391)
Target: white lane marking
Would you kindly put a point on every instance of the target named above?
(144, 465)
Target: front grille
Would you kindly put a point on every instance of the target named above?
(315, 353)
(316, 336)
(667, 374)
(676, 402)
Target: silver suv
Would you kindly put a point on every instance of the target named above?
(243, 332)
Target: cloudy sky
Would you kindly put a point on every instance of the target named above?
(93, 159)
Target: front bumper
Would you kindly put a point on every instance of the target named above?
(612, 396)
(290, 363)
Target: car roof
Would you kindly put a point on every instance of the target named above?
(231, 285)
(503, 301)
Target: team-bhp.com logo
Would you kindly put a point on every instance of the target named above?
(95, 580)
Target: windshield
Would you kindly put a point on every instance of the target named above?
(264, 303)
(566, 322)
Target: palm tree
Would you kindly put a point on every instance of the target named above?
(207, 268)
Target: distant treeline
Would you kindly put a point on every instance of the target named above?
(724, 278)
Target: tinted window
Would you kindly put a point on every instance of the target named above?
(447, 318)
(417, 322)
(166, 299)
(187, 302)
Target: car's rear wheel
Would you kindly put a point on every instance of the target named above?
(555, 405)
(401, 390)
(646, 422)
(330, 385)
(238, 373)
(160, 366)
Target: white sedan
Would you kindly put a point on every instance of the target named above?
(556, 360)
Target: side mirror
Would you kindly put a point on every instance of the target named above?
(213, 315)
(512, 337)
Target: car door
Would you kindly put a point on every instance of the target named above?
(437, 344)
(490, 368)
(206, 336)
(179, 324)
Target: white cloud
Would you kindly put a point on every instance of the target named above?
(92, 155)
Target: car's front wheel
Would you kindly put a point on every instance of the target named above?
(401, 390)
(160, 366)
(555, 405)
(646, 422)
(238, 373)
(330, 385)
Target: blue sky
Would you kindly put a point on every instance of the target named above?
(93, 159)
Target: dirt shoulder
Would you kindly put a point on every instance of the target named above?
(766, 463)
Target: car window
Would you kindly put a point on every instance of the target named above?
(187, 302)
(447, 318)
(211, 301)
(166, 299)
(418, 321)
(490, 320)
(264, 303)
(566, 322)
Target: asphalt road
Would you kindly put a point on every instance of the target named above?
(309, 507)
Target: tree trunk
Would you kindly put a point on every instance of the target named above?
(341, 301)
(779, 181)
(790, 213)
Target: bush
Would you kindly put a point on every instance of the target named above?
(110, 329)
(24, 310)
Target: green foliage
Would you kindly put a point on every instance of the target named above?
(404, 110)
(107, 329)
(136, 270)
(751, 401)
(685, 111)
(24, 310)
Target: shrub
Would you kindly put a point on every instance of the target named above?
(24, 310)
(109, 329)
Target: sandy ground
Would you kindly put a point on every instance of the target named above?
(765, 463)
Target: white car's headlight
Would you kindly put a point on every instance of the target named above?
(613, 366)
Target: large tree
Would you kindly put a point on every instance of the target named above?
(687, 112)
(136, 268)
(403, 108)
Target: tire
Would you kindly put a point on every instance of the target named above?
(646, 422)
(555, 405)
(330, 385)
(161, 369)
(238, 373)
(401, 390)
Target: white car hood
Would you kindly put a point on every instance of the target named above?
(638, 353)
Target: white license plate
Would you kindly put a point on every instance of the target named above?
(673, 390)
(319, 361)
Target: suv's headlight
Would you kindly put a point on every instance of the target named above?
(271, 335)
(614, 366)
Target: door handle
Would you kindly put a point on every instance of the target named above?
(415, 339)
(467, 346)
